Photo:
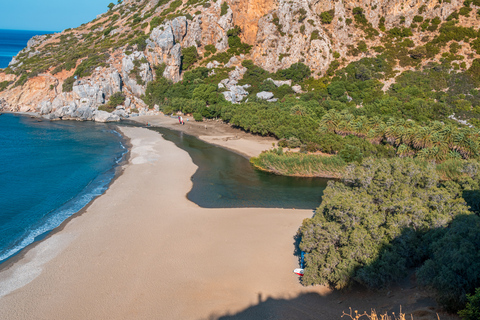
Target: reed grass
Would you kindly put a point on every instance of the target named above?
(300, 164)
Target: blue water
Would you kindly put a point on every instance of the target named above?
(12, 42)
(49, 171)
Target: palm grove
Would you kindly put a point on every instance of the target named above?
(408, 196)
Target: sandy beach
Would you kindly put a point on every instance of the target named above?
(214, 132)
(143, 251)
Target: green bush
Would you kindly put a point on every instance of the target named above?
(367, 228)
(197, 116)
(116, 99)
(417, 19)
(224, 8)
(68, 84)
(315, 35)
(296, 72)
(327, 16)
(189, 57)
(472, 310)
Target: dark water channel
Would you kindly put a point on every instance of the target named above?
(225, 179)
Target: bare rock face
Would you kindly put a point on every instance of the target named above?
(25, 98)
(247, 13)
(103, 116)
(172, 71)
(101, 85)
(179, 28)
(163, 47)
(35, 40)
(136, 72)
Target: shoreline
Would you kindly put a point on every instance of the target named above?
(143, 251)
(214, 132)
(30, 254)
(118, 170)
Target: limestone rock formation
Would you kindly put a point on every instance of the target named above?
(103, 116)
(147, 34)
(136, 72)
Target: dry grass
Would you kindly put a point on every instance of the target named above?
(355, 315)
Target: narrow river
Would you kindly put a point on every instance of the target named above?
(225, 179)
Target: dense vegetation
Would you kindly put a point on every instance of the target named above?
(388, 217)
(408, 198)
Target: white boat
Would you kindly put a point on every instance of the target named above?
(299, 271)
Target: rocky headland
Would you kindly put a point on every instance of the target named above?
(73, 74)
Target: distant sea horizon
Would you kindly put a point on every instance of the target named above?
(50, 170)
(13, 41)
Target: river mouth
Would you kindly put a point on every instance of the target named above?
(225, 179)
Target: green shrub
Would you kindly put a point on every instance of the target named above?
(4, 85)
(116, 99)
(315, 35)
(417, 19)
(211, 48)
(327, 16)
(68, 84)
(358, 234)
(198, 116)
(224, 8)
(472, 310)
(296, 72)
(189, 57)
(359, 16)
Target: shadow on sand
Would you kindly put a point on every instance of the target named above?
(312, 305)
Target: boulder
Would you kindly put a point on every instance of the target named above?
(120, 112)
(297, 88)
(84, 112)
(163, 39)
(103, 116)
(44, 107)
(265, 95)
(236, 94)
(280, 83)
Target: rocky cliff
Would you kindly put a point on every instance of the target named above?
(74, 73)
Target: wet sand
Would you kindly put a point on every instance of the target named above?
(214, 132)
(143, 251)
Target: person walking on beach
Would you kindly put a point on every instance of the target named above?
(179, 119)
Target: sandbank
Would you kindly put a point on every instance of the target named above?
(143, 251)
(214, 132)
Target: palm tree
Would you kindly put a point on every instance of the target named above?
(377, 134)
(330, 120)
(405, 151)
(422, 138)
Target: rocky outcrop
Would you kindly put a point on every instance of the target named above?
(164, 46)
(236, 94)
(265, 95)
(281, 32)
(247, 14)
(103, 116)
(136, 72)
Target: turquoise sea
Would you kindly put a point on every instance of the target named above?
(49, 171)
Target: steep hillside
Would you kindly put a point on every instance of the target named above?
(72, 73)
